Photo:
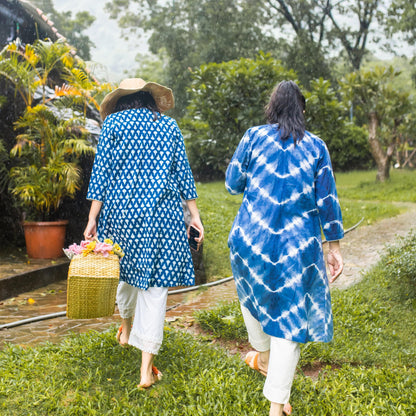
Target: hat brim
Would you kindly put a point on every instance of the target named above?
(163, 97)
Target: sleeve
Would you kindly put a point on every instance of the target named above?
(236, 174)
(101, 169)
(181, 170)
(327, 199)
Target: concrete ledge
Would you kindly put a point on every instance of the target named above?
(25, 282)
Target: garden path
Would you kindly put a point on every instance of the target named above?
(361, 250)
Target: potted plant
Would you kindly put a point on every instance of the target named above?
(47, 173)
(48, 146)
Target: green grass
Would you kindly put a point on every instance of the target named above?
(360, 197)
(361, 185)
(372, 358)
(368, 369)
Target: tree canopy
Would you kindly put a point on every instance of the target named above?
(194, 32)
(72, 27)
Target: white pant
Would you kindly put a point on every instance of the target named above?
(284, 357)
(149, 309)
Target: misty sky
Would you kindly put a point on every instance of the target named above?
(111, 51)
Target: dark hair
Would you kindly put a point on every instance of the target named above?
(286, 107)
(140, 99)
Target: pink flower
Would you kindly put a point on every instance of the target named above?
(103, 248)
(75, 248)
(84, 244)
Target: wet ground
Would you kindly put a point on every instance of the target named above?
(361, 249)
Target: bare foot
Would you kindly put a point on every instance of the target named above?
(124, 336)
(148, 379)
(277, 409)
(123, 333)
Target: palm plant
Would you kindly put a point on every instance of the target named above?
(48, 148)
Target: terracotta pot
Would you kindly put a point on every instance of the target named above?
(45, 240)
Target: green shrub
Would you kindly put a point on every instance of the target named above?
(326, 117)
(225, 100)
(401, 267)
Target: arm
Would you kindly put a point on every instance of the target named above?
(195, 220)
(326, 199)
(334, 260)
(90, 231)
(236, 174)
(330, 214)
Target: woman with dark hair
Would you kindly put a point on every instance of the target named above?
(139, 178)
(275, 242)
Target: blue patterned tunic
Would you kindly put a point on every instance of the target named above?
(140, 173)
(275, 241)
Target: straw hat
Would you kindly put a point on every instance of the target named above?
(163, 96)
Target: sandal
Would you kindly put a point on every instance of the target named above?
(120, 330)
(251, 360)
(157, 376)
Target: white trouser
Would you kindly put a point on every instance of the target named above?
(149, 309)
(284, 357)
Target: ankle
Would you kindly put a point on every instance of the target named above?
(263, 360)
(276, 409)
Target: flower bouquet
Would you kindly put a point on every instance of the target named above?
(93, 277)
(86, 247)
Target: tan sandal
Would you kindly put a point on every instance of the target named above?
(252, 359)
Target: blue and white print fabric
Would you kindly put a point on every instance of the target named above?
(140, 173)
(275, 241)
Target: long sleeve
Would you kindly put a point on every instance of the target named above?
(236, 174)
(101, 170)
(181, 170)
(327, 199)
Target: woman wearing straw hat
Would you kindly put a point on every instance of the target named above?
(275, 243)
(139, 178)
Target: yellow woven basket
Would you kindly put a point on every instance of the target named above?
(92, 286)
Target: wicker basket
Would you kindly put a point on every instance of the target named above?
(92, 286)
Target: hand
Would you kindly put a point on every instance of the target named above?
(335, 264)
(90, 231)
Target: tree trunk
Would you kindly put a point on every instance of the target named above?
(381, 158)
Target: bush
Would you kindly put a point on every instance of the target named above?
(325, 117)
(401, 267)
(225, 100)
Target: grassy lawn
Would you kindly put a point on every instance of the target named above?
(360, 197)
(368, 369)
(370, 366)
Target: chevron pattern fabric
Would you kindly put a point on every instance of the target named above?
(275, 241)
(140, 173)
